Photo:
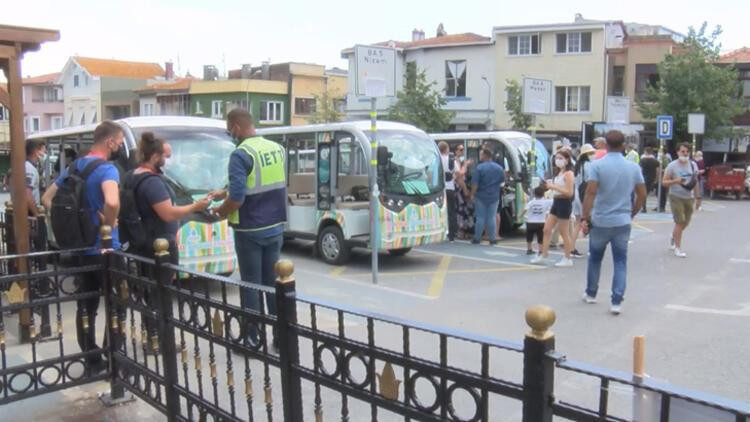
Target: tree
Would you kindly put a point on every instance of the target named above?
(519, 120)
(326, 108)
(420, 104)
(691, 82)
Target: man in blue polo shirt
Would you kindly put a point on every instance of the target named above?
(607, 213)
(485, 187)
(103, 202)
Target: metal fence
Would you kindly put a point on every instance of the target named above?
(195, 349)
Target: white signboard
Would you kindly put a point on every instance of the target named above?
(537, 96)
(376, 71)
(696, 123)
(618, 110)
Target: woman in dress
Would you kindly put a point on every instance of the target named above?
(464, 208)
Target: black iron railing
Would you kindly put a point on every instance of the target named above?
(193, 348)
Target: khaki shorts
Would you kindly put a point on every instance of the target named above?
(682, 209)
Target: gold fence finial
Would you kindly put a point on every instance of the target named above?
(106, 232)
(389, 384)
(161, 247)
(540, 318)
(284, 268)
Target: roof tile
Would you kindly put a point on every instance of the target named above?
(741, 55)
(119, 68)
(41, 79)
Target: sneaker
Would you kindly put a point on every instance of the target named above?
(615, 309)
(537, 260)
(564, 262)
(588, 299)
(576, 254)
(529, 252)
(680, 254)
(671, 244)
(552, 246)
(493, 242)
(474, 242)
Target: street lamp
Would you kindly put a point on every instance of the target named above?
(489, 96)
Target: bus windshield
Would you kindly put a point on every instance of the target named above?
(200, 156)
(414, 167)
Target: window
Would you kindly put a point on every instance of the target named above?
(86, 80)
(618, 81)
(83, 119)
(574, 42)
(57, 122)
(271, 111)
(31, 124)
(455, 78)
(198, 108)
(524, 45)
(75, 81)
(304, 105)
(216, 109)
(148, 109)
(411, 75)
(572, 99)
(243, 104)
(339, 104)
(645, 75)
(3, 114)
(93, 119)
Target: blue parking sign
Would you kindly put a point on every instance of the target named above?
(664, 127)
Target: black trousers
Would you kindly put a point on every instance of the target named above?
(88, 282)
(663, 199)
(450, 196)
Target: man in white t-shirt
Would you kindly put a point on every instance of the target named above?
(536, 213)
(449, 167)
(36, 151)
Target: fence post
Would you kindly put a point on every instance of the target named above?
(116, 394)
(286, 319)
(163, 276)
(538, 370)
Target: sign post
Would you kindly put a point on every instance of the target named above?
(536, 99)
(375, 77)
(696, 126)
(618, 110)
(664, 130)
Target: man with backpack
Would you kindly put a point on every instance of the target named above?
(84, 197)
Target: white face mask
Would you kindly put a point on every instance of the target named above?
(683, 158)
(560, 162)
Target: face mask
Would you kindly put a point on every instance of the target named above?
(560, 162)
(42, 158)
(167, 162)
(683, 158)
(461, 159)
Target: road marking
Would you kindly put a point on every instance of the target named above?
(363, 284)
(500, 253)
(438, 280)
(474, 258)
(740, 260)
(743, 311)
(338, 271)
(642, 227)
(467, 271)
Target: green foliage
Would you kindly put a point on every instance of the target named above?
(420, 104)
(326, 108)
(691, 82)
(519, 120)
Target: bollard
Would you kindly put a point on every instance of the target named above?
(286, 319)
(538, 369)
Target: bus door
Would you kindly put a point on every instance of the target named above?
(301, 185)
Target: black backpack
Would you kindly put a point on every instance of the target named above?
(70, 217)
(133, 231)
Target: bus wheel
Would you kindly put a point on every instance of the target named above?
(331, 246)
(399, 252)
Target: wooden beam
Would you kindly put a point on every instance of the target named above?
(20, 34)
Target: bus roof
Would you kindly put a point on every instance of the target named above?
(137, 123)
(500, 134)
(363, 125)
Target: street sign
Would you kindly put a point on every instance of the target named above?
(375, 71)
(696, 123)
(618, 110)
(664, 127)
(537, 96)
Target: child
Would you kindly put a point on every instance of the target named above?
(536, 212)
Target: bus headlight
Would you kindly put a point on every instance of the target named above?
(390, 203)
(400, 203)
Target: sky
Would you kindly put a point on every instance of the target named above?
(228, 33)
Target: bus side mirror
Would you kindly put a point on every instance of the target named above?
(384, 158)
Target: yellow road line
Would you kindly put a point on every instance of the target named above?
(338, 270)
(642, 227)
(438, 280)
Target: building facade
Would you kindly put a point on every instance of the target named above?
(267, 100)
(170, 98)
(99, 89)
(43, 107)
(462, 66)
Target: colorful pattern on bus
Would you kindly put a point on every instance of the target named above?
(207, 247)
(415, 225)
